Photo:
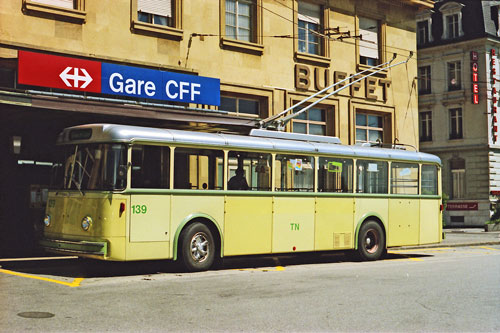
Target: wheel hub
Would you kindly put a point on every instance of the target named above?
(199, 247)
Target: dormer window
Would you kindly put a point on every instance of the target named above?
(424, 21)
(452, 20)
(452, 26)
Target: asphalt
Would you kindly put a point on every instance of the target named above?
(452, 238)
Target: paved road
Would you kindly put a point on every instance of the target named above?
(437, 289)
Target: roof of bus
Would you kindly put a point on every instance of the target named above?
(136, 134)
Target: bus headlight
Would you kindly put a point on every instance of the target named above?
(86, 223)
(46, 220)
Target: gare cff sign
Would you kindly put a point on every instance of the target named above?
(99, 77)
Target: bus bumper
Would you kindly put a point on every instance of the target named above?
(85, 248)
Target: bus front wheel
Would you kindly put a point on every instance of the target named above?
(197, 247)
(371, 241)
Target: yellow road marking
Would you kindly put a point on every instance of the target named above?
(422, 250)
(277, 268)
(488, 248)
(74, 283)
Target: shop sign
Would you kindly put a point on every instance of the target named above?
(475, 82)
(494, 96)
(99, 77)
(462, 206)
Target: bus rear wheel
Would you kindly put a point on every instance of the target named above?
(371, 241)
(197, 247)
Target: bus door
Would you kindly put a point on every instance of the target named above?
(149, 207)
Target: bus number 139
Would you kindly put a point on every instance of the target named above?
(139, 209)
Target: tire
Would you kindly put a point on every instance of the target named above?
(371, 241)
(197, 247)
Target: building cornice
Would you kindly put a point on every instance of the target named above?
(421, 4)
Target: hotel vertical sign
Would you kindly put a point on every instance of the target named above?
(475, 82)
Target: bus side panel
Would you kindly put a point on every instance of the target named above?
(430, 221)
(293, 224)
(404, 222)
(149, 227)
(186, 207)
(248, 225)
(366, 207)
(334, 224)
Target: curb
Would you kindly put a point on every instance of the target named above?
(430, 246)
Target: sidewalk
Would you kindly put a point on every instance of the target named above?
(470, 236)
(464, 237)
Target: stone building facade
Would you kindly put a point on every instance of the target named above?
(458, 45)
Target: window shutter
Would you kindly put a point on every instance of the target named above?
(309, 12)
(156, 7)
(368, 45)
(57, 3)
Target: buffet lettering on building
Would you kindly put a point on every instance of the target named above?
(308, 77)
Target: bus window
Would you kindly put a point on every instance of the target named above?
(371, 176)
(249, 171)
(404, 178)
(429, 180)
(198, 169)
(335, 175)
(294, 173)
(150, 167)
(93, 167)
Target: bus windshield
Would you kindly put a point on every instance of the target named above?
(92, 167)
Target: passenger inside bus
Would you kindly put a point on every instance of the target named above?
(238, 181)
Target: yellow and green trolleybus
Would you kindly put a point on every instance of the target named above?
(134, 193)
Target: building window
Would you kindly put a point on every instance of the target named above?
(369, 128)
(495, 17)
(454, 75)
(456, 130)
(67, 10)
(423, 36)
(457, 168)
(313, 121)
(424, 80)
(369, 53)
(425, 126)
(452, 26)
(157, 17)
(70, 4)
(240, 18)
(452, 20)
(156, 12)
(240, 105)
(309, 27)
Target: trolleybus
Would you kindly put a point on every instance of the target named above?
(127, 193)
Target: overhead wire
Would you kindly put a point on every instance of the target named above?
(341, 39)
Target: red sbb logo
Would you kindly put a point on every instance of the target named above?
(44, 70)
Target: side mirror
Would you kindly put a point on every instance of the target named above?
(122, 172)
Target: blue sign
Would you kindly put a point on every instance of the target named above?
(154, 84)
